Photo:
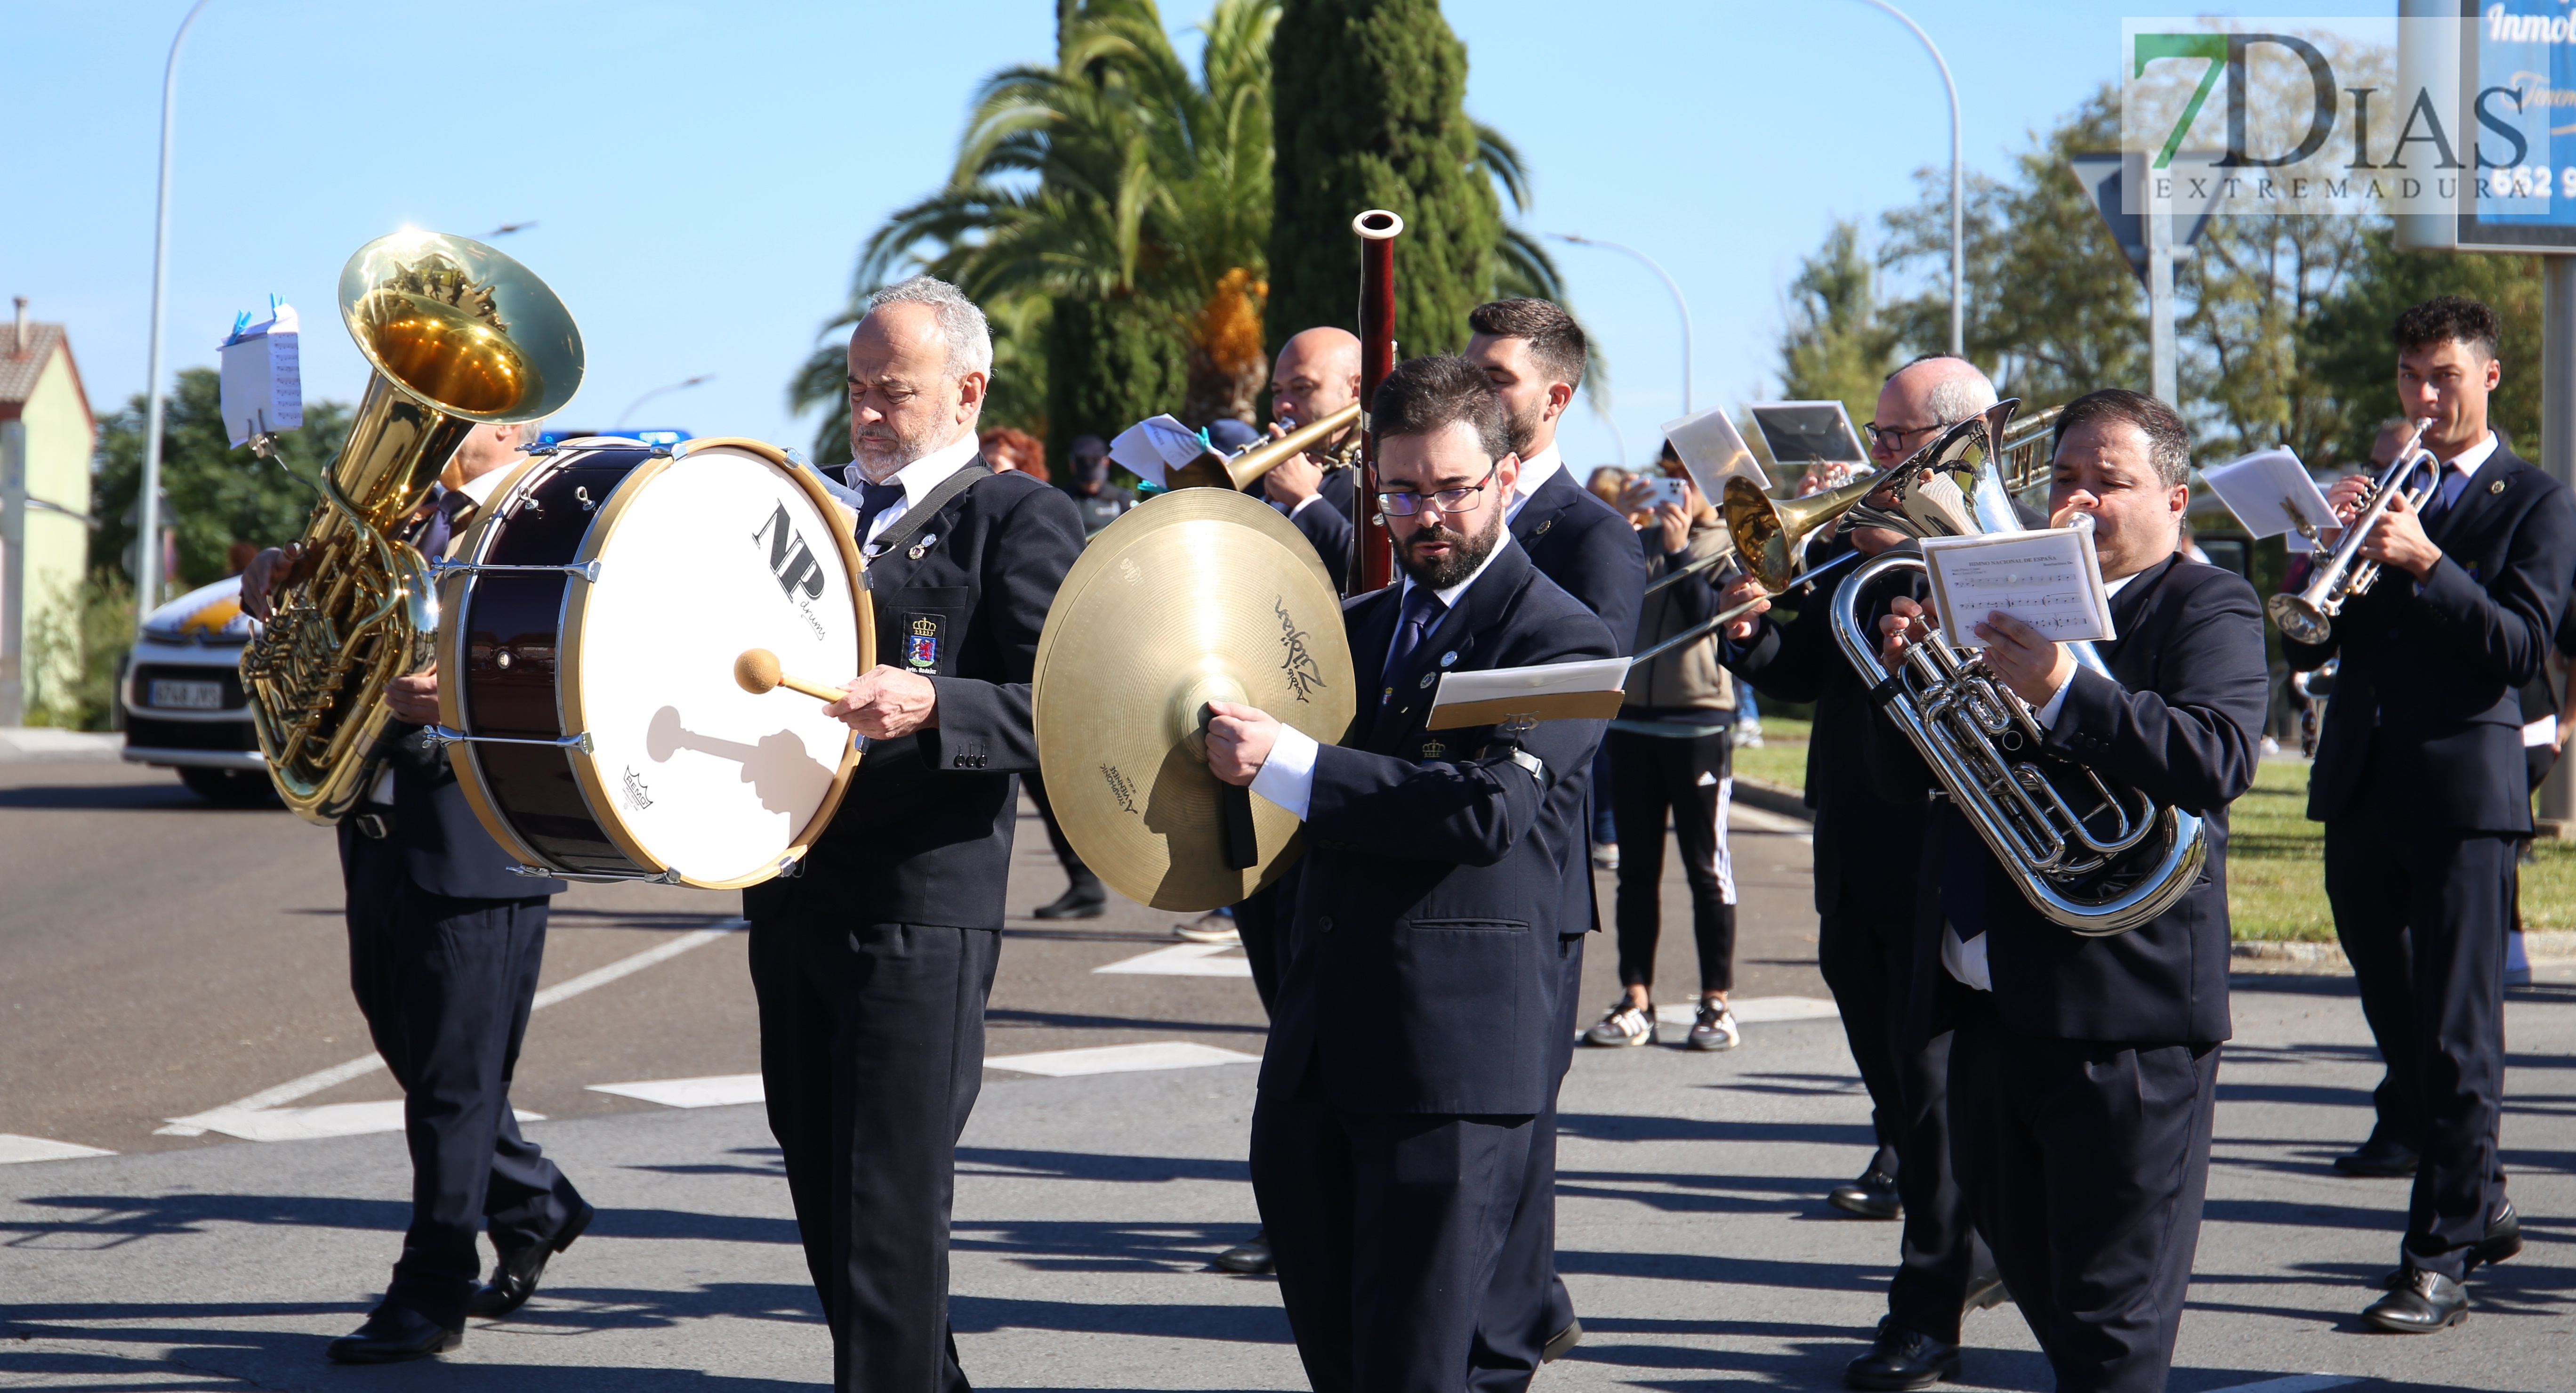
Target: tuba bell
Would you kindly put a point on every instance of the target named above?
(2088, 852)
(458, 335)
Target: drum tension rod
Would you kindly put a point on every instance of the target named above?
(443, 736)
(588, 570)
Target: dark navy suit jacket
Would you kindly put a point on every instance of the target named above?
(1422, 962)
(2432, 667)
(1326, 522)
(443, 844)
(923, 835)
(1588, 549)
(2183, 722)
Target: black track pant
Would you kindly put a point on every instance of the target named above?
(2422, 913)
(872, 1051)
(1065, 856)
(1654, 779)
(1868, 961)
(2086, 1166)
(445, 985)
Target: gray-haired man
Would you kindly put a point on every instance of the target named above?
(872, 968)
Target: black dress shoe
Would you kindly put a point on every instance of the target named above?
(2503, 1240)
(1983, 1294)
(1081, 900)
(1560, 1343)
(392, 1335)
(1873, 1196)
(2428, 1302)
(1902, 1359)
(514, 1277)
(1252, 1255)
(2378, 1157)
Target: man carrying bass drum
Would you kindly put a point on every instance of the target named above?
(873, 966)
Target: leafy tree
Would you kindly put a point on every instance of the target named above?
(217, 495)
(1369, 114)
(1838, 347)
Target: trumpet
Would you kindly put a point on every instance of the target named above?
(2308, 617)
(1221, 471)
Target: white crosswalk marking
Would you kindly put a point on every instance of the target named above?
(15, 1148)
(1121, 1059)
(714, 1091)
(1185, 960)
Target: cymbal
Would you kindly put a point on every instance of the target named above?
(1197, 595)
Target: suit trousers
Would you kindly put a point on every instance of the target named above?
(872, 1052)
(2422, 913)
(1528, 1302)
(1065, 856)
(1868, 962)
(1387, 1229)
(2086, 1165)
(446, 985)
(1653, 777)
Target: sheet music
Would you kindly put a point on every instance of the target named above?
(2049, 579)
(2273, 494)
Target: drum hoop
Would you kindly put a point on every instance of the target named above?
(463, 758)
(594, 788)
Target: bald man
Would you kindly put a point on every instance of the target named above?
(1316, 374)
(1865, 914)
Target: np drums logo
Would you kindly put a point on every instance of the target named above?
(2354, 116)
(792, 564)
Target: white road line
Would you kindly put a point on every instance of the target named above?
(15, 1148)
(2295, 1383)
(714, 1091)
(1185, 960)
(326, 1120)
(1121, 1059)
(214, 1120)
(1755, 1010)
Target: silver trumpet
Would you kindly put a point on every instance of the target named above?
(2091, 854)
(2308, 617)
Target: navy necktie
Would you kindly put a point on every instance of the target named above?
(2445, 495)
(1422, 610)
(875, 499)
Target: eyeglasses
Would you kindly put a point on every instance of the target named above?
(1452, 501)
(1895, 436)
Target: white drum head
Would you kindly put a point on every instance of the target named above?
(720, 551)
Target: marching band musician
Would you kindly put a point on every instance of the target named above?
(1533, 355)
(873, 966)
(1865, 917)
(2083, 1072)
(445, 943)
(1414, 1052)
(2420, 781)
(1316, 374)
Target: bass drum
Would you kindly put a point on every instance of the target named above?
(594, 611)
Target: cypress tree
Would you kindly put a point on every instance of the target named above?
(1110, 363)
(1367, 106)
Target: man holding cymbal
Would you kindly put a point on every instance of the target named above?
(1412, 1055)
(873, 966)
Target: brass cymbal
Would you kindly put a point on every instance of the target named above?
(1197, 595)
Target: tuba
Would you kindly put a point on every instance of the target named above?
(458, 335)
(2089, 853)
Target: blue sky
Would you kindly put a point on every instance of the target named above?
(701, 174)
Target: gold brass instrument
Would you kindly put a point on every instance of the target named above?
(2088, 852)
(1215, 471)
(2027, 458)
(2308, 617)
(458, 335)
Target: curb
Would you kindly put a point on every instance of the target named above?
(2270, 955)
(1773, 798)
(50, 745)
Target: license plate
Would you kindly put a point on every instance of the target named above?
(185, 696)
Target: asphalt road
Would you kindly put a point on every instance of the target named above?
(160, 958)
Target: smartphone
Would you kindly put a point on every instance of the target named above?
(1665, 489)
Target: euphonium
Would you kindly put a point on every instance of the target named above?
(458, 335)
(2091, 854)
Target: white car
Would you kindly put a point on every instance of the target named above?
(182, 697)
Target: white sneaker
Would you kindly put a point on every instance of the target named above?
(1714, 1028)
(1211, 927)
(1605, 856)
(1627, 1024)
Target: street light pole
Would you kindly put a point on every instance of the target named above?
(1660, 274)
(623, 416)
(147, 537)
(1958, 224)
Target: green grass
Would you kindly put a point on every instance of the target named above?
(2275, 856)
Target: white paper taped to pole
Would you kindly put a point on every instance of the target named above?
(2273, 494)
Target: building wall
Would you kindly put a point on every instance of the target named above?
(45, 455)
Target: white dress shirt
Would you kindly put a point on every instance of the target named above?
(1535, 470)
(918, 479)
(1287, 778)
(1966, 960)
(2466, 462)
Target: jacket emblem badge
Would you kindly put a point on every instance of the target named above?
(1433, 749)
(921, 646)
(2496, 487)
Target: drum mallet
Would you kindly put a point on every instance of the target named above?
(757, 671)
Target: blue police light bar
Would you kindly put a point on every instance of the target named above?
(649, 437)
